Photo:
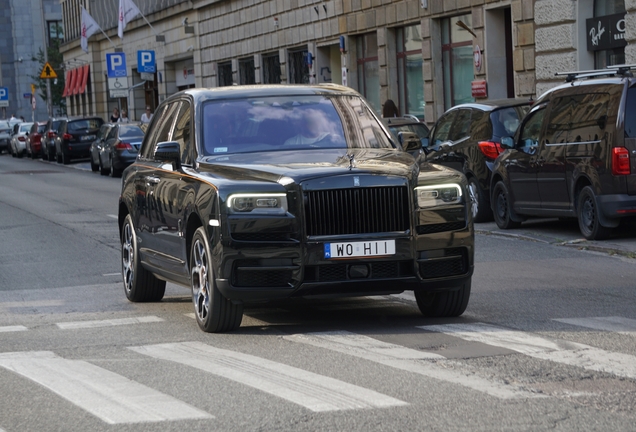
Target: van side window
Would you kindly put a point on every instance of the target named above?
(630, 113)
(589, 117)
(531, 131)
(560, 120)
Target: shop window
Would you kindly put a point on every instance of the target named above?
(271, 69)
(457, 60)
(614, 54)
(410, 79)
(246, 71)
(55, 32)
(298, 67)
(368, 70)
(224, 74)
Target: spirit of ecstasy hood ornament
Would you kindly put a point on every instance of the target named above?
(350, 156)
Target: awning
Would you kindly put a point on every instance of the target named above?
(79, 76)
(66, 83)
(82, 88)
(71, 83)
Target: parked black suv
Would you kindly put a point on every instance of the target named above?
(74, 138)
(467, 137)
(574, 155)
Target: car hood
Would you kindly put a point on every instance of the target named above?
(310, 164)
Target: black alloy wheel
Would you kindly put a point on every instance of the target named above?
(587, 212)
(139, 284)
(501, 207)
(444, 303)
(214, 313)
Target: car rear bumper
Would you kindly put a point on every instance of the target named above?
(617, 205)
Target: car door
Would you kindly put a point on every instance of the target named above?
(439, 138)
(521, 165)
(551, 155)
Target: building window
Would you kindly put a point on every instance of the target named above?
(616, 54)
(55, 32)
(298, 67)
(410, 79)
(368, 70)
(224, 74)
(457, 61)
(271, 69)
(246, 71)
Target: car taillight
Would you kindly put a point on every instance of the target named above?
(620, 161)
(123, 146)
(51, 134)
(67, 136)
(490, 149)
(21, 138)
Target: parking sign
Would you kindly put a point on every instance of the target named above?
(146, 62)
(116, 65)
(4, 96)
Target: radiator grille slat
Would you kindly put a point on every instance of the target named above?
(357, 211)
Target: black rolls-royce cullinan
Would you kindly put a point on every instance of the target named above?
(255, 193)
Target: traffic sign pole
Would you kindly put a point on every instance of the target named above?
(49, 100)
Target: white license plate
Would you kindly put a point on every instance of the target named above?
(88, 137)
(359, 249)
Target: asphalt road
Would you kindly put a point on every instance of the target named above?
(547, 342)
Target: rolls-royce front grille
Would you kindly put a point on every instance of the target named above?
(357, 211)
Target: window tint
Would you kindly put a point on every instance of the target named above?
(41, 129)
(531, 130)
(480, 127)
(630, 113)
(182, 133)
(160, 130)
(130, 131)
(84, 124)
(112, 134)
(461, 125)
(442, 130)
(505, 121)
(560, 120)
(589, 117)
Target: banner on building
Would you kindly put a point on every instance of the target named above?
(127, 12)
(89, 28)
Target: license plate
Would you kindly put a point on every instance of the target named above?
(88, 137)
(359, 249)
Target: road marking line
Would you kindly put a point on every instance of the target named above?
(111, 397)
(112, 274)
(614, 324)
(406, 359)
(16, 328)
(558, 351)
(32, 304)
(112, 216)
(72, 325)
(315, 392)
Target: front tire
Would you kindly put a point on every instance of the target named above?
(214, 313)
(478, 205)
(444, 303)
(502, 208)
(139, 284)
(103, 171)
(94, 166)
(588, 215)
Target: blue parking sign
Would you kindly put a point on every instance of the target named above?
(146, 62)
(116, 65)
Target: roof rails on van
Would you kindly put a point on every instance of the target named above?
(622, 70)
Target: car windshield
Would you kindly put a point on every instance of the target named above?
(130, 131)
(290, 123)
(80, 125)
(506, 120)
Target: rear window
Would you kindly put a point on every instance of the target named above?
(84, 124)
(56, 125)
(41, 128)
(505, 121)
(130, 131)
(25, 127)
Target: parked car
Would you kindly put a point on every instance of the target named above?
(5, 136)
(120, 148)
(48, 141)
(34, 140)
(574, 155)
(74, 138)
(467, 137)
(408, 124)
(18, 139)
(96, 146)
(254, 193)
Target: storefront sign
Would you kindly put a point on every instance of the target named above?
(606, 32)
(184, 72)
(479, 89)
(477, 57)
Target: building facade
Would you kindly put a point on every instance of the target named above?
(26, 26)
(426, 55)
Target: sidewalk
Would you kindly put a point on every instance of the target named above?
(566, 233)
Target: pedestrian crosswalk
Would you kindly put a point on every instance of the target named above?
(117, 399)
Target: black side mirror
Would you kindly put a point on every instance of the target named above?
(169, 152)
(409, 141)
(507, 142)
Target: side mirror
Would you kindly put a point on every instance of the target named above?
(169, 152)
(409, 141)
(507, 142)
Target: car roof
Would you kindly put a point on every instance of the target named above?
(493, 104)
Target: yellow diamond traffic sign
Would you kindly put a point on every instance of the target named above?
(47, 71)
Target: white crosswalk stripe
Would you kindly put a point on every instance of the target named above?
(315, 392)
(613, 324)
(72, 325)
(559, 351)
(15, 328)
(406, 359)
(105, 394)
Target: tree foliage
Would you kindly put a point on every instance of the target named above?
(57, 85)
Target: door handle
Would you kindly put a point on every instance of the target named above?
(152, 179)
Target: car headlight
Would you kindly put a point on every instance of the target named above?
(437, 195)
(274, 203)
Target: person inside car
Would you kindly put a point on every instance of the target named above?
(314, 127)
